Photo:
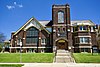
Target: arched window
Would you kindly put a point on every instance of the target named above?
(60, 17)
(32, 36)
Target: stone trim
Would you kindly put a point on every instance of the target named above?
(84, 47)
(82, 36)
(30, 47)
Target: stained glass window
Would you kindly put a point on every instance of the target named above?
(60, 17)
(32, 35)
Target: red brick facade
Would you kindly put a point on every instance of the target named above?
(74, 36)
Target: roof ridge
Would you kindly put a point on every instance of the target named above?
(80, 20)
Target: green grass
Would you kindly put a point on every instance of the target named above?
(11, 65)
(86, 58)
(27, 57)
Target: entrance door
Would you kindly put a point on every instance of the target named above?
(61, 44)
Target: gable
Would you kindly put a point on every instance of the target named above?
(82, 22)
(32, 22)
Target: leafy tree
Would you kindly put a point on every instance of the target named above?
(0, 48)
(2, 37)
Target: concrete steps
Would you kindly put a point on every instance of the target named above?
(63, 56)
(62, 51)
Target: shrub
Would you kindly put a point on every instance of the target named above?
(0, 48)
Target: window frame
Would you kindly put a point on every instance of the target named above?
(60, 17)
(43, 41)
(32, 37)
(83, 40)
(83, 28)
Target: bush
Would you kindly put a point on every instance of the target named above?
(0, 48)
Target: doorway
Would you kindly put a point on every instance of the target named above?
(62, 44)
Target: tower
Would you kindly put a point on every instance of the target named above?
(61, 26)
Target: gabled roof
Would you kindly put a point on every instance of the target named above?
(80, 22)
(44, 23)
(28, 23)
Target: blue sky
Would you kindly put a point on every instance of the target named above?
(15, 13)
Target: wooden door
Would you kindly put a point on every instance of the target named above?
(61, 45)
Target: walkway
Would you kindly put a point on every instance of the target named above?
(57, 64)
(63, 56)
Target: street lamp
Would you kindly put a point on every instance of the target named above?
(20, 51)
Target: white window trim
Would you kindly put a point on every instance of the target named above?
(82, 36)
(92, 29)
(82, 29)
(85, 46)
(18, 42)
(84, 41)
(43, 42)
(71, 29)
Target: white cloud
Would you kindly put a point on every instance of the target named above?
(20, 5)
(14, 5)
(10, 7)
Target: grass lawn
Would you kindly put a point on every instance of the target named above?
(86, 58)
(27, 57)
(11, 65)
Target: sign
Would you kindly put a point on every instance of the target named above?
(94, 49)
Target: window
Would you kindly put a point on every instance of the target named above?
(32, 36)
(60, 17)
(84, 39)
(84, 49)
(58, 29)
(63, 29)
(32, 32)
(18, 42)
(76, 28)
(43, 41)
(31, 40)
(82, 28)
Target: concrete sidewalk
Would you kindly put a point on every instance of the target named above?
(57, 64)
(63, 56)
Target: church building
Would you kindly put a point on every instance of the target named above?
(58, 33)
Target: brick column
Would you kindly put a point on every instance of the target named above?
(39, 44)
(24, 40)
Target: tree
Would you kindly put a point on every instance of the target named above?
(0, 48)
(2, 37)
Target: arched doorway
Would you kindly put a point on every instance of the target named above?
(62, 44)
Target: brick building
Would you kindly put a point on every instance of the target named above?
(59, 33)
